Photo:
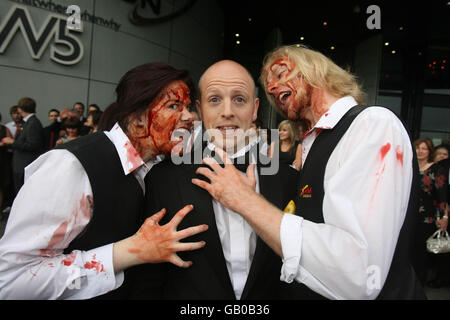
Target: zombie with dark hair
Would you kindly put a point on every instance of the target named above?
(76, 229)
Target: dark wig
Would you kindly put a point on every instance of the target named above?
(138, 88)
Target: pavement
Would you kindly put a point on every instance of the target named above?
(431, 293)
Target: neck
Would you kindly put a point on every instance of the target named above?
(320, 103)
(423, 163)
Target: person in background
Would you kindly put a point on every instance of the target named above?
(4, 167)
(93, 119)
(93, 107)
(28, 144)
(433, 199)
(290, 150)
(63, 115)
(441, 152)
(301, 129)
(72, 125)
(79, 107)
(51, 132)
(14, 127)
(17, 121)
(424, 150)
(79, 110)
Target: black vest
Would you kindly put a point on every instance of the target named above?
(117, 199)
(401, 282)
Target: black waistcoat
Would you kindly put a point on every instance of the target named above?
(117, 199)
(401, 282)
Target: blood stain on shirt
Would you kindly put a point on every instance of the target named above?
(384, 150)
(96, 265)
(57, 237)
(69, 259)
(379, 172)
(399, 154)
(133, 158)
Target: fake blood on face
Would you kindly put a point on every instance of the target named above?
(166, 114)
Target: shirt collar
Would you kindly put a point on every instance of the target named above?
(28, 117)
(336, 111)
(241, 151)
(129, 157)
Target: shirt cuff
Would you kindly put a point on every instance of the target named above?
(291, 246)
(99, 268)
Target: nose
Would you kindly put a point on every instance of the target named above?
(271, 87)
(186, 115)
(227, 109)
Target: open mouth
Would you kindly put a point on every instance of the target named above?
(228, 130)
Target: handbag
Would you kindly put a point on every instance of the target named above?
(438, 243)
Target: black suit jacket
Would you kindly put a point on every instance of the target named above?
(28, 144)
(169, 186)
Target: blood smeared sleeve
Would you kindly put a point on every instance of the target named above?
(52, 208)
(367, 184)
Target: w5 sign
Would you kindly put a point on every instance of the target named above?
(54, 28)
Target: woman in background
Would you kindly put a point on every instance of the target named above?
(72, 127)
(290, 150)
(432, 209)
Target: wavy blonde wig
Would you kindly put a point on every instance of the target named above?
(316, 69)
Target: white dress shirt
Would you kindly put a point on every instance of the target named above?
(50, 210)
(367, 184)
(12, 128)
(238, 239)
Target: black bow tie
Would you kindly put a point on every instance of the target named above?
(241, 163)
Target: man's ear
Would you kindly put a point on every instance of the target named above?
(255, 111)
(199, 109)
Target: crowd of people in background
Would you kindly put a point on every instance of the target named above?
(24, 139)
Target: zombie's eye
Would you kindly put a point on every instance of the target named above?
(173, 107)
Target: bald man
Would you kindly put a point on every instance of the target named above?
(235, 263)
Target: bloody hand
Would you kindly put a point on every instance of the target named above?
(154, 243)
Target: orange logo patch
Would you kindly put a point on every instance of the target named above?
(306, 192)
